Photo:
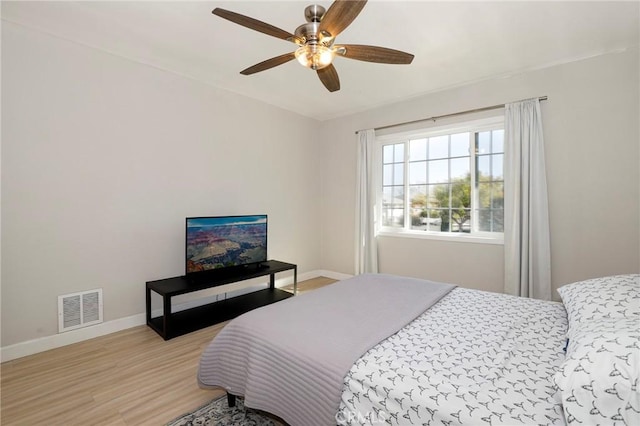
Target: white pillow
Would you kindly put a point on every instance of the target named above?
(616, 296)
(599, 382)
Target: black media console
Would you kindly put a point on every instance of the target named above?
(173, 324)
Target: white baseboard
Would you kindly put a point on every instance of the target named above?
(329, 274)
(42, 344)
(46, 343)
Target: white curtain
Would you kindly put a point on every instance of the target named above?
(526, 212)
(366, 199)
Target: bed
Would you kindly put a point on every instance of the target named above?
(383, 349)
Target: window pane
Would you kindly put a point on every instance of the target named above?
(497, 166)
(484, 168)
(418, 197)
(418, 172)
(483, 142)
(387, 174)
(484, 195)
(418, 150)
(398, 217)
(386, 217)
(398, 196)
(392, 206)
(393, 217)
(387, 196)
(491, 212)
(498, 140)
(460, 145)
(498, 221)
(438, 196)
(459, 168)
(439, 147)
(441, 216)
(438, 171)
(418, 203)
(490, 220)
(461, 194)
(427, 220)
(484, 220)
(433, 223)
(398, 174)
(398, 152)
(387, 154)
(497, 195)
(393, 196)
(461, 220)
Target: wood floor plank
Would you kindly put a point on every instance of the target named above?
(132, 377)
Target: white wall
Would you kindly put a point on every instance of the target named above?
(103, 158)
(591, 129)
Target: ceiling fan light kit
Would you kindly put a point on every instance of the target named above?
(314, 56)
(315, 40)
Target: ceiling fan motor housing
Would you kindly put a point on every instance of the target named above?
(314, 13)
(309, 33)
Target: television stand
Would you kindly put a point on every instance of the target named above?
(173, 324)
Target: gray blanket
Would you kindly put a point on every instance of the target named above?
(290, 358)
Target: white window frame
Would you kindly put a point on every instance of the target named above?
(490, 123)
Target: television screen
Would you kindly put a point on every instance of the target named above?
(225, 241)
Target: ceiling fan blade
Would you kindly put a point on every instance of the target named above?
(254, 24)
(329, 77)
(269, 63)
(341, 13)
(377, 54)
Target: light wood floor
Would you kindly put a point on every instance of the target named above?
(132, 377)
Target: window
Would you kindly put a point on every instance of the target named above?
(445, 182)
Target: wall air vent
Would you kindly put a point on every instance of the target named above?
(77, 310)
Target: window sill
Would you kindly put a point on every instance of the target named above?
(464, 238)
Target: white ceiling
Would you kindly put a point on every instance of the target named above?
(454, 43)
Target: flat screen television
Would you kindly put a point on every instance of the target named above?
(224, 241)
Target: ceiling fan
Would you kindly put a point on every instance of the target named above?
(315, 40)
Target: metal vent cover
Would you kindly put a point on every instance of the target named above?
(77, 310)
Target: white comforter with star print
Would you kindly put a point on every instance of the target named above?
(474, 358)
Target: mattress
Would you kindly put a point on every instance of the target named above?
(473, 358)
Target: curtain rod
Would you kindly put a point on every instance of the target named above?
(438, 117)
